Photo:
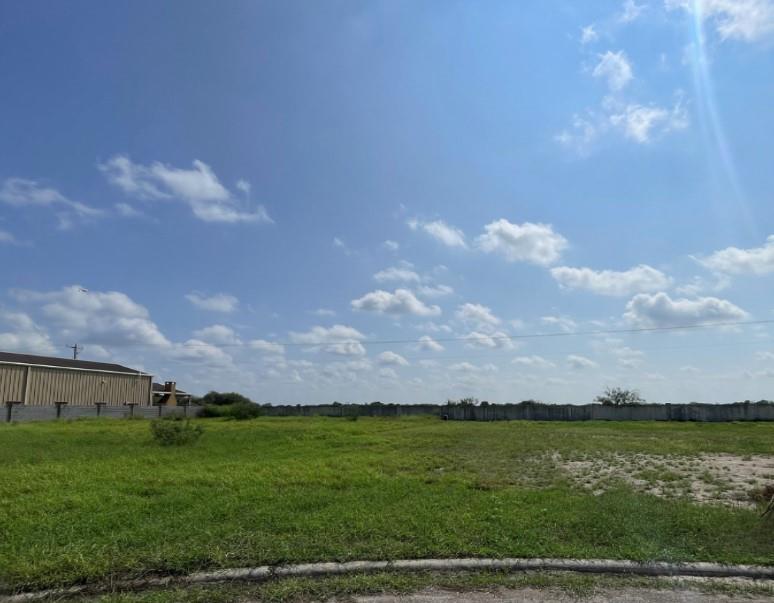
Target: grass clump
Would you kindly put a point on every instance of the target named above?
(175, 431)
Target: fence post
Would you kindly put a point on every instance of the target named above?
(131, 406)
(59, 406)
(160, 404)
(9, 412)
(99, 406)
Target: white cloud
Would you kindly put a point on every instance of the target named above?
(323, 312)
(588, 34)
(391, 358)
(110, 318)
(732, 260)
(24, 335)
(434, 290)
(659, 310)
(427, 343)
(19, 192)
(580, 362)
(387, 373)
(198, 187)
(267, 347)
(218, 334)
(639, 279)
(496, 339)
(537, 362)
(401, 273)
(196, 351)
(631, 11)
(391, 245)
(402, 301)
(615, 68)
(528, 242)
(440, 231)
(639, 123)
(642, 123)
(220, 302)
(243, 185)
(746, 20)
(562, 322)
(477, 314)
(467, 367)
(338, 339)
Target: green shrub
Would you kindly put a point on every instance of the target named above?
(225, 399)
(244, 410)
(175, 431)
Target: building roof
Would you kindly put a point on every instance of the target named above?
(69, 363)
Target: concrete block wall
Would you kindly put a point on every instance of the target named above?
(24, 413)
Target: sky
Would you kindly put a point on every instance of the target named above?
(394, 200)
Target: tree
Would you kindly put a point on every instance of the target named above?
(225, 398)
(617, 396)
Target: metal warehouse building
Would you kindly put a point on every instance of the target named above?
(43, 380)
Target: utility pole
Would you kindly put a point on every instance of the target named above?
(75, 348)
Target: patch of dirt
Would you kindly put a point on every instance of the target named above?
(708, 478)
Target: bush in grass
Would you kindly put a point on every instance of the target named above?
(240, 411)
(175, 431)
(244, 410)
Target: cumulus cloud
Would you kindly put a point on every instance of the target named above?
(391, 358)
(196, 351)
(434, 290)
(580, 362)
(639, 279)
(562, 322)
(528, 242)
(745, 20)
(467, 367)
(440, 231)
(338, 339)
(659, 310)
(427, 343)
(477, 314)
(391, 245)
(732, 260)
(402, 273)
(218, 334)
(495, 339)
(198, 187)
(19, 192)
(401, 301)
(537, 362)
(23, 334)
(109, 318)
(220, 302)
(267, 347)
(615, 68)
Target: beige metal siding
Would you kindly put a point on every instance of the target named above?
(12, 382)
(49, 385)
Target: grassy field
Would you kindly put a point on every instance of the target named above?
(88, 501)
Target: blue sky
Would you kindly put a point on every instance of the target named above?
(380, 200)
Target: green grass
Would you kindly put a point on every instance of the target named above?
(89, 501)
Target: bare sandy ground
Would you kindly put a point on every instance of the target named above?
(708, 478)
